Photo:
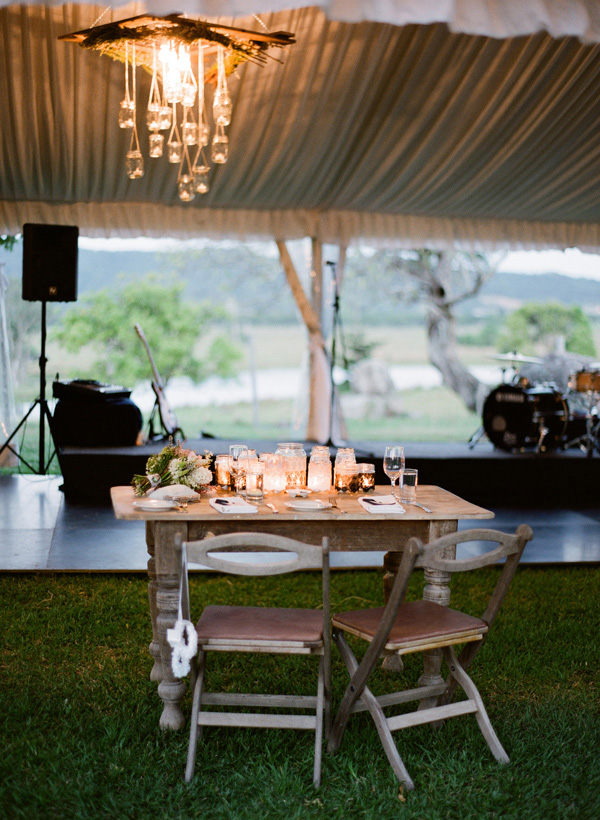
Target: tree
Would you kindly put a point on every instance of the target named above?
(443, 279)
(536, 327)
(105, 321)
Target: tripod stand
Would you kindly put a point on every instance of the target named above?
(44, 413)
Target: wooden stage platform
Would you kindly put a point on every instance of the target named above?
(483, 475)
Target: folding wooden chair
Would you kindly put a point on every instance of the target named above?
(261, 630)
(419, 626)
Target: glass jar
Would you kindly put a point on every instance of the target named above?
(346, 478)
(344, 455)
(366, 477)
(223, 473)
(294, 459)
(255, 473)
(274, 478)
(319, 470)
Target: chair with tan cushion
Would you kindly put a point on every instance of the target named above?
(418, 626)
(260, 630)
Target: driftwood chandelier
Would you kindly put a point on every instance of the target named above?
(183, 56)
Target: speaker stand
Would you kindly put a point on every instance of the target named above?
(44, 414)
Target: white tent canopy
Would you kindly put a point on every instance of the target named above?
(470, 124)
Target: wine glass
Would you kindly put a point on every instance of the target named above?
(393, 463)
(237, 456)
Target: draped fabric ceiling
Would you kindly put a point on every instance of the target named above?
(398, 122)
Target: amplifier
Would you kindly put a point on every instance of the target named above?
(88, 390)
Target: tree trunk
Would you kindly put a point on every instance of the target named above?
(443, 354)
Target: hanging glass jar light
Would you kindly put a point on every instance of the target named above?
(127, 106)
(185, 188)
(154, 101)
(221, 101)
(201, 183)
(219, 150)
(189, 128)
(156, 144)
(134, 161)
(174, 143)
(173, 70)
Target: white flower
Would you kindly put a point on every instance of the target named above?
(199, 477)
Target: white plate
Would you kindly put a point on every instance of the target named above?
(307, 504)
(153, 504)
(298, 493)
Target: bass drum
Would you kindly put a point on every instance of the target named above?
(513, 417)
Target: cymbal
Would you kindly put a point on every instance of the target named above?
(516, 358)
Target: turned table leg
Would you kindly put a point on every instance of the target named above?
(437, 590)
(170, 689)
(156, 673)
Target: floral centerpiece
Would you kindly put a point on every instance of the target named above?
(174, 465)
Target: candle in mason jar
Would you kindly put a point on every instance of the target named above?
(294, 458)
(274, 478)
(366, 477)
(319, 470)
(346, 478)
(254, 480)
(224, 477)
(343, 457)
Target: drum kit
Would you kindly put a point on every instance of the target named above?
(519, 415)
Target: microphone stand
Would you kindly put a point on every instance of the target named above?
(337, 323)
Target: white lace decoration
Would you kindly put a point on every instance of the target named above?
(184, 640)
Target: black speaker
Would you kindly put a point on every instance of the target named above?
(50, 263)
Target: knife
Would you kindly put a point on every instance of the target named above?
(422, 506)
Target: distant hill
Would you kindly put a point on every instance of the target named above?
(542, 287)
(254, 286)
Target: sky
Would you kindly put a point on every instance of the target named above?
(571, 262)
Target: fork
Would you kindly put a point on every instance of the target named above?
(334, 504)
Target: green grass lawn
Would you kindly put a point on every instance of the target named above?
(79, 720)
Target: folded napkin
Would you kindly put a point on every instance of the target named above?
(381, 504)
(232, 505)
(174, 491)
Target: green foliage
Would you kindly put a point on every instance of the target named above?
(357, 347)
(485, 336)
(172, 325)
(7, 241)
(534, 327)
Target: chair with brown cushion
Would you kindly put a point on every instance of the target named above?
(260, 630)
(418, 626)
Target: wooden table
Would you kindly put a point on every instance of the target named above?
(355, 529)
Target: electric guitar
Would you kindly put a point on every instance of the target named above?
(168, 419)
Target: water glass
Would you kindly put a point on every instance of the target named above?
(408, 486)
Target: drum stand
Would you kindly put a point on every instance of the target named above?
(589, 439)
